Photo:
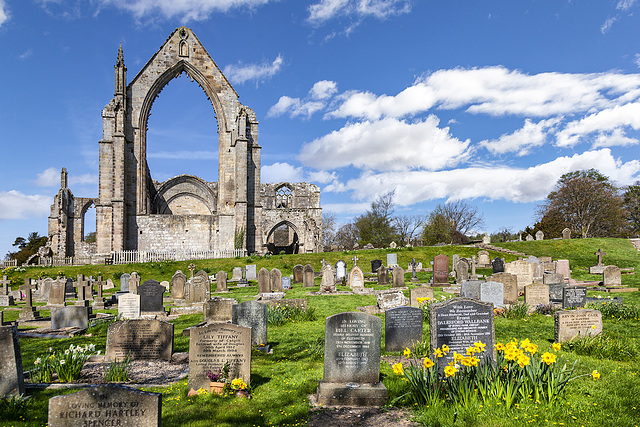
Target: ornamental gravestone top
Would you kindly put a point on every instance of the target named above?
(402, 328)
(375, 265)
(498, 265)
(355, 260)
(356, 278)
(328, 283)
(566, 233)
(341, 270)
(106, 405)
(600, 256)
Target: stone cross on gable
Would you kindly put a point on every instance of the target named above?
(600, 255)
(413, 265)
(192, 268)
(355, 260)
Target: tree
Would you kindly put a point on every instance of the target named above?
(464, 216)
(376, 225)
(631, 203)
(587, 202)
(451, 222)
(27, 247)
(437, 229)
(503, 235)
(347, 236)
(407, 227)
(328, 230)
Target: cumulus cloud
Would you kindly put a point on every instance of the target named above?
(610, 121)
(387, 144)
(523, 140)
(4, 14)
(16, 205)
(49, 177)
(183, 10)
(281, 172)
(319, 94)
(253, 72)
(518, 185)
(84, 179)
(323, 89)
(346, 208)
(325, 10)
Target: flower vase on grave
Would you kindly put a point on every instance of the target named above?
(216, 387)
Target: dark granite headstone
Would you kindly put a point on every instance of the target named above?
(555, 291)
(252, 314)
(375, 265)
(498, 265)
(402, 328)
(70, 317)
(106, 405)
(440, 270)
(140, 339)
(151, 292)
(11, 378)
(574, 296)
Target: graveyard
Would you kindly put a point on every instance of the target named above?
(312, 331)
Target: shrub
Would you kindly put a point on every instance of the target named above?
(546, 309)
(519, 310)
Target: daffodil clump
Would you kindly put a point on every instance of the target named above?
(66, 363)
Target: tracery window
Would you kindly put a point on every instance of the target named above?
(284, 197)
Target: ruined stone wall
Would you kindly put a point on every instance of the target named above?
(176, 232)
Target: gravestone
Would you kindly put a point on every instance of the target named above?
(356, 278)
(440, 270)
(391, 299)
(69, 289)
(124, 282)
(178, 283)
(562, 267)
(134, 282)
(552, 278)
(6, 301)
(539, 235)
(286, 283)
(611, 276)
(328, 283)
(497, 265)
(70, 317)
(402, 328)
(129, 306)
(308, 274)
(109, 285)
(398, 277)
(205, 277)
(529, 238)
(420, 292)
(383, 275)
(459, 323)
(556, 291)
(509, 286)
(536, 267)
(483, 259)
(236, 274)
(352, 361)
(297, 273)
(574, 296)
(566, 233)
(275, 280)
(577, 323)
(536, 294)
(252, 314)
(264, 281)
(221, 281)
(211, 346)
(375, 265)
(197, 290)
(150, 293)
(522, 269)
(462, 271)
(470, 289)
(140, 339)
(392, 260)
(218, 310)
(341, 271)
(5, 285)
(57, 294)
(45, 289)
(11, 377)
(106, 405)
(492, 292)
(393, 245)
(251, 272)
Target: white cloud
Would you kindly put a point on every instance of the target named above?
(608, 23)
(322, 177)
(15, 205)
(323, 89)
(49, 177)
(325, 10)
(608, 121)
(530, 136)
(4, 14)
(387, 144)
(256, 72)
(27, 53)
(183, 10)
(345, 208)
(494, 183)
(184, 155)
(281, 172)
(295, 107)
(84, 179)
(625, 4)
(637, 61)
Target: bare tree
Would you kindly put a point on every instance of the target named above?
(347, 236)
(408, 227)
(328, 229)
(463, 216)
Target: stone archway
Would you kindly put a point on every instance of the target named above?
(283, 237)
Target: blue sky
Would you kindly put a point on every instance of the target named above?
(489, 102)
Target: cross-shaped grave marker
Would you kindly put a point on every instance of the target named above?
(192, 268)
(4, 290)
(413, 265)
(354, 259)
(600, 255)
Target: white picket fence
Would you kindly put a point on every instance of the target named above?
(9, 263)
(128, 257)
(59, 261)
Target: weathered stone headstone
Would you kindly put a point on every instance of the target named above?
(139, 339)
(124, 282)
(308, 274)
(470, 289)
(392, 260)
(383, 275)
(251, 272)
(328, 283)
(275, 280)
(611, 276)
(420, 292)
(6, 301)
(492, 292)
(509, 286)
(45, 289)
(402, 328)
(218, 310)
(341, 271)
(577, 323)
(356, 278)
(57, 294)
(134, 282)
(11, 377)
(70, 317)
(529, 238)
(129, 306)
(440, 270)
(236, 274)
(375, 265)
(393, 245)
(178, 283)
(462, 271)
(165, 284)
(151, 292)
(555, 291)
(398, 277)
(497, 265)
(221, 281)
(566, 233)
(352, 361)
(574, 296)
(286, 283)
(106, 405)
(5, 285)
(539, 235)
(297, 273)
(562, 267)
(459, 323)
(252, 314)
(522, 269)
(109, 285)
(197, 290)
(264, 281)
(391, 299)
(483, 259)
(551, 278)
(536, 294)
(211, 346)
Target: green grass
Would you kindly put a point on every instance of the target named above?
(282, 381)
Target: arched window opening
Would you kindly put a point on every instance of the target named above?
(284, 197)
(283, 239)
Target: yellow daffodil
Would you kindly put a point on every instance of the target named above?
(524, 343)
(479, 346)
(500, 346)
(549, 358)
(595, 375)
(445, 348)
(407, 352)
(523, 360)
(438, 353)
(531, 348)
(428, 363)
(450, 371)
(457, 357)
(397, 369)
(471, 351)
(556, 346)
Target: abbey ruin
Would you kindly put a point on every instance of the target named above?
(136, 212)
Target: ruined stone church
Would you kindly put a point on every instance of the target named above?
(136, 212)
